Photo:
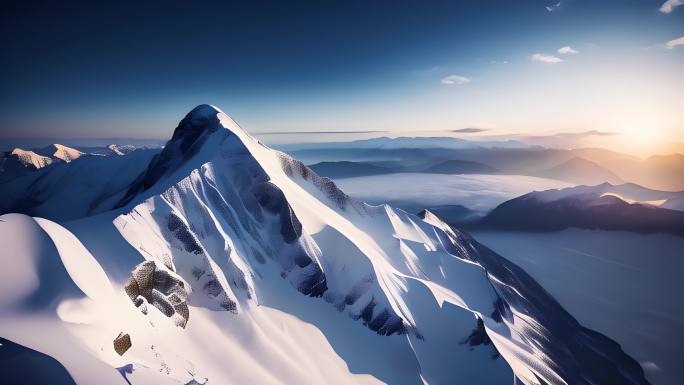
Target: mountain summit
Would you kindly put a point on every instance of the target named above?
(225, 261)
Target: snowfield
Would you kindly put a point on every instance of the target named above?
(225, 262)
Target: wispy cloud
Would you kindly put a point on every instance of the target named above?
(554, 7)
(469, 130)
(566, 50)
(544, 58)
(673, 43)
(586, 134)
(455, 80)
(670, 5)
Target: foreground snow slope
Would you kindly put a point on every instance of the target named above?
(240, 232)
(59, 301)
(617, 283)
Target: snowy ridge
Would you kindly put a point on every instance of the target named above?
(31, 159)
(20, 162)
(628, 192)
(250, 232)
(241, 212)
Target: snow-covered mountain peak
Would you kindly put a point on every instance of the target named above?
(198, 120)
(432, 218)
(219, 231)
(31, 159)
(217, 207)
(19, 160)
(187, 149)
(65, 153)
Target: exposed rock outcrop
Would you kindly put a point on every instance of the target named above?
(154, 284)
(122, 343)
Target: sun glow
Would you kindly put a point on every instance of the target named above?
(646, 134)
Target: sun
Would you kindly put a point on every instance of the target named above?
(644, 134)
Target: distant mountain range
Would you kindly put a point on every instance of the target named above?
(443, 155)
(581, 171)
(602, 201)
(349, 169)
(19, 162)
(626, 207)
(386, 143)
(587, 166)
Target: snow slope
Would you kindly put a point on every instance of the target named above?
(65, 191)
(244, 234)
(59, 301)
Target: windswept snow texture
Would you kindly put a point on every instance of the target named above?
(248, 233)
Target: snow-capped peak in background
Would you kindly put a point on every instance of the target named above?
(65, 153)
(30, 158)
(121, 149)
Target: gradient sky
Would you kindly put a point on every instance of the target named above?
(134, 71)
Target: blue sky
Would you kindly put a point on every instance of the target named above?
(134, 71)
